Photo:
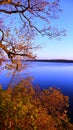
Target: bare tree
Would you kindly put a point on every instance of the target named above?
(21, 21)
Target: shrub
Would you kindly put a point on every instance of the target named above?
(24, 108)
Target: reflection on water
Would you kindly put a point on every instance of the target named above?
(45, 74)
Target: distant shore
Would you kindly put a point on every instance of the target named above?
(53, 60)
(45, 60)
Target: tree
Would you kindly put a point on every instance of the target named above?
(23, 107)
(19, 24)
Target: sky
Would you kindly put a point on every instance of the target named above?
(55, 49)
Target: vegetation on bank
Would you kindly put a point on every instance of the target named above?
(27, 108)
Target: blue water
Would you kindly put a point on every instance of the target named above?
(45, 74)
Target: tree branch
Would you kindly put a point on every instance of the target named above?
(2, 35)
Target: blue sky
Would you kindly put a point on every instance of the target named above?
(55, 49)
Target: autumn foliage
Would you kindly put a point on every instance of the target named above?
(27, 108)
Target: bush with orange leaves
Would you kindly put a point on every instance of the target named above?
(27, 108)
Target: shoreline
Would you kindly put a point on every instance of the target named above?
(51, 60)
(60, 61)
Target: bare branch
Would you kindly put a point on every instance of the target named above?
(2, 37)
